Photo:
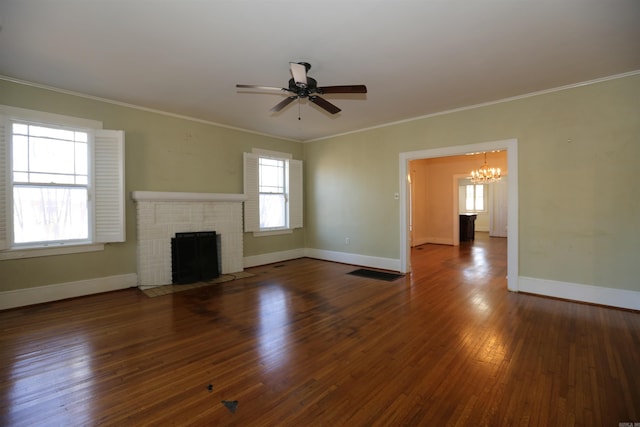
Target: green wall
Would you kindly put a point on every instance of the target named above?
(162, 153)
(578, 150)
(579, 213)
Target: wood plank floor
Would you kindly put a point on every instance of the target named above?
(304, 344)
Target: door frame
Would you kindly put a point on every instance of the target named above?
(511, 145)
(456, 208)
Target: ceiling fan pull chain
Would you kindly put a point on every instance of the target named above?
(299, 109)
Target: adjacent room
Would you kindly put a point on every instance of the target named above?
(268, 213)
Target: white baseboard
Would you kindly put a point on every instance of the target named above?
(434, 241)
(355, 259)
(419, 241)
(343, 257)
(270, 258)
(620, 298)
(58, 291)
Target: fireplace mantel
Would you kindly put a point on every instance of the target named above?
(171, 196)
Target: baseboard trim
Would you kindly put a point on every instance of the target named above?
(342, 257)
(418, 242)
(433, 240)
(271, 257)
(620, 298)
(355, 259)
(59, 291)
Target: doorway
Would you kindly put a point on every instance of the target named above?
(511, 146)
(491, 207)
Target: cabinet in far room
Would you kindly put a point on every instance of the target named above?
(467, 226)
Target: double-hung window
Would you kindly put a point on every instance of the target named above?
(50, 184)
(475, 197)
(273, 186)
(63, 182)
(273, 174)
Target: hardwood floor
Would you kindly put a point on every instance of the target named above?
(303, 344)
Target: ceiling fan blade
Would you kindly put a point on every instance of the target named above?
(259, 87)
(299, 74)
(323, 103)
(343, 89)
(283, 103)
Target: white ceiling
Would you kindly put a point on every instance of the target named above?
(416, 57)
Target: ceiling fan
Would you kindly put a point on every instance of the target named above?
(303, 86)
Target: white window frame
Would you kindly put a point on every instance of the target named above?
(485, 194)
(106, 185)
(293, 189)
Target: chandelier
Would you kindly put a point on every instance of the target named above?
(485, 174)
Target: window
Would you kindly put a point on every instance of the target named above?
(273, 186)
(475, 197)
(273, 173)
(63, 180)
(50, 184)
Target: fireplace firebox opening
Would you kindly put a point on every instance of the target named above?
(194, 257)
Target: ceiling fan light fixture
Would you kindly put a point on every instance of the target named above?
(299, 73)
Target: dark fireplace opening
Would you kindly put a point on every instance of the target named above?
(194, 257)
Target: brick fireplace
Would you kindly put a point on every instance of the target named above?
(160, 215)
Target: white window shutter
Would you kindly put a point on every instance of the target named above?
(252, 203)
(109, 197)
(295, 194)
(5, 201)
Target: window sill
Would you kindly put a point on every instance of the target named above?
(272, 232)
(49, 251)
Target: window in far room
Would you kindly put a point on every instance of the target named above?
(475, 198)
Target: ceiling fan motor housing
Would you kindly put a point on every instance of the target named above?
(304, 91)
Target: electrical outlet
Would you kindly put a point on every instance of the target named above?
(347, 240)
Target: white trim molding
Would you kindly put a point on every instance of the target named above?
(435, 241)
(484, 104)
(334, 256)
(511, 145)
(412, 119)
(272, 257)
(169, 196)
(354, 259)
(620, 298)
(59, 291)
(48, 251)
